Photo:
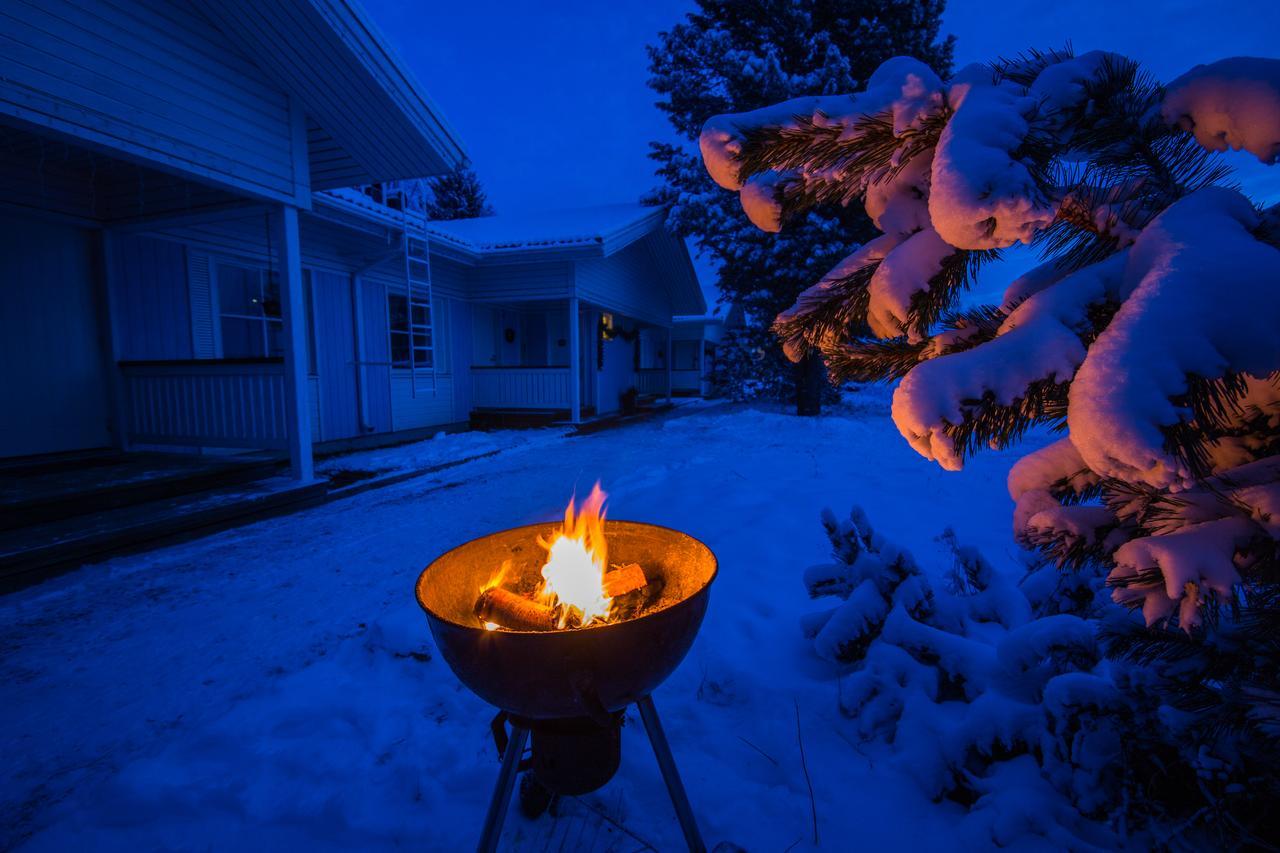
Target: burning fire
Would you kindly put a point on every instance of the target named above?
(573, 577)
(578, 587)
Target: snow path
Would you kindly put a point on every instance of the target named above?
(264, 687)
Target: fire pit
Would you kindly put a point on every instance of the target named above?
(523, 618)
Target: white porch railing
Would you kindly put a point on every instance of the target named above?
(205, 403)
(651, 380)
(686, 380)
(520, 387)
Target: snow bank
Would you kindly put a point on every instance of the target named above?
(1232, 103)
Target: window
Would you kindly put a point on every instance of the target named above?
(410, 324)
(249, 312)
(684, 355)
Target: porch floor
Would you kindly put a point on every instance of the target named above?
(58, 512)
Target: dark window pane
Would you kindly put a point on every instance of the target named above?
(271, 294)
(398, 308)
(421, 316)
(241, 338)
(684, 355)
(422, 357)
(275, 338)
(400, 350)
(238, 290)
(422, 339)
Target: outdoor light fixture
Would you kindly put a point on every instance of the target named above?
(526, 619)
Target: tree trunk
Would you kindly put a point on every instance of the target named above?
(811, 376)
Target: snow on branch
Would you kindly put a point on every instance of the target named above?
(1232, 103)
(1040, 341)
(1205, 302)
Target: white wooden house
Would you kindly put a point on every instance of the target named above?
(183, 262)
(695, 341)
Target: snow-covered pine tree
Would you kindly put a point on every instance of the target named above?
(733, 55)
(457, 194)
(1148, 337)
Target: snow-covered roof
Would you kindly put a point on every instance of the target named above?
(610, 226)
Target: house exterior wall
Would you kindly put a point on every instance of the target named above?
(628, 282)
(151, 80)
(334, 340)
(167, 301)
(150, 302)
(52, 359)
(519, 282)
(618, 372)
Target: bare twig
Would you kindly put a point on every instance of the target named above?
(603, 814)
(759, 750)
(813, 803)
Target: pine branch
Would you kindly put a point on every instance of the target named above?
(890, 359)
(1025, 67)
(827, 315)
(990, 424)
(958, 273)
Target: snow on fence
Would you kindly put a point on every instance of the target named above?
(520, 387)
(205, 403)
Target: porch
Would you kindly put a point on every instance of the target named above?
(564, 359)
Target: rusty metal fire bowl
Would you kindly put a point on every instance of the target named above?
(572, 672)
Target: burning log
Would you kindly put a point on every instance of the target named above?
(510, 610)
(624, 579)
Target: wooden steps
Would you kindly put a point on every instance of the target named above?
(38, 493)
(35, 552)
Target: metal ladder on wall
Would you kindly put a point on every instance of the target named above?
(417, 279)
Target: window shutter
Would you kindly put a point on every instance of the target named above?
(203, 339)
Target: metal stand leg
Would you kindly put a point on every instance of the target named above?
(502, 793)
(667, 764)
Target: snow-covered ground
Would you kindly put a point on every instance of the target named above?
(275, 686)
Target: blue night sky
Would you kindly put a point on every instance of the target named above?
(551, 102)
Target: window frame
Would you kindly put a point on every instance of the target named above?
(262, 319)
(430, 330)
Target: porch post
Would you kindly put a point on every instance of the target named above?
(575, 363)
(110, 336)
(357, 319)
(669, 354)
(297, 408)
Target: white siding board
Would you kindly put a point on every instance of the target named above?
(424, 410)
(517, 282)
(628, 282)
(145, 92)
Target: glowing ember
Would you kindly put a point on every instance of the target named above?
(573, 577)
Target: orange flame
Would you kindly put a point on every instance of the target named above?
(573, 576)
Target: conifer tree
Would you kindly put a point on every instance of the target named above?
(1147, 338)
(733, 55)
(457, 194)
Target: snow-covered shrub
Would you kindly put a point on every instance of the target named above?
(968, 687)
(1148, 337)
